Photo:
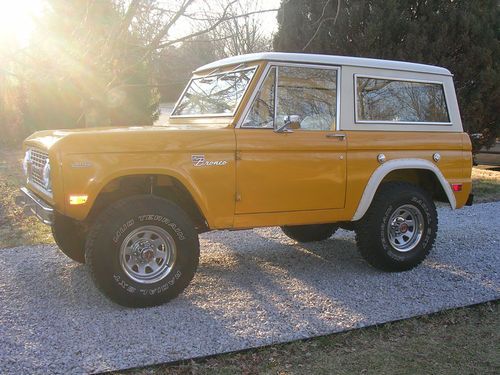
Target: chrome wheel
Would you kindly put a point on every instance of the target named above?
(405, 228)
(148, 254)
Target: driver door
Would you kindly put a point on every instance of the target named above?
(303, 167)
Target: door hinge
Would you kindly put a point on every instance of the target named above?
(237, 155)
(238, 197)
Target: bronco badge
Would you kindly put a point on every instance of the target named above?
(200, 161)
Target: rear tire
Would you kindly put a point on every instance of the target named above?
(310, 233)
(142, 251)
(399, 229)
(70, 237)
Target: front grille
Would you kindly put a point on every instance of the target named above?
(38, 160)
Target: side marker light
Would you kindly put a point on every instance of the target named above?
(78, 199)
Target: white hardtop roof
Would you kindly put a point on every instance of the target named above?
(307, 58)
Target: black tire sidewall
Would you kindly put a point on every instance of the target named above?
(421, 249)
(371, 230)
(104, 252)
(397, 260)
(310, 233)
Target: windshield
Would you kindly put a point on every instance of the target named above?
(215, 94)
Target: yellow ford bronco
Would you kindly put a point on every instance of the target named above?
(309, 143)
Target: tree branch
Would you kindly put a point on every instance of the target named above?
(322, 21)
(224, 18)
(164, 31)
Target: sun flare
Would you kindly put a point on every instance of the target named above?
(17, 18)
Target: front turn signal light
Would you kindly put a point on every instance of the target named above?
(78, 199)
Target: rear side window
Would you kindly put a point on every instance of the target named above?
(398, 101)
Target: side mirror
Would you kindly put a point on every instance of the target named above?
(289, 122)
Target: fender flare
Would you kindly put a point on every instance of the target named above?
(397, 164)
(130, 172)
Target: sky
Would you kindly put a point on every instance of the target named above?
(17, 17)
(269, 22)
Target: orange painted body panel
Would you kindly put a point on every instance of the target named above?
(361, 161)
(295, 178)
(363, 148)
(269, 179)
(276, 172)
(113, 153)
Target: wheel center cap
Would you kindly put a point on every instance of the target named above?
(144, 251)
(147, 254)
(403, 228)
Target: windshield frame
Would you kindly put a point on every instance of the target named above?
(213, 73)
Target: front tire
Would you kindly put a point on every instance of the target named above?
(142, 251)
(310, 233)
(398, 231)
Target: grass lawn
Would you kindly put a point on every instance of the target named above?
(486, 185)
(459, 341)
(15, 228)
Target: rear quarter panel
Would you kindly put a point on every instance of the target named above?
(364, 147)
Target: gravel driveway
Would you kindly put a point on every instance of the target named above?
(252, 288)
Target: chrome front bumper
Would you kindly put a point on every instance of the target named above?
(32, 205)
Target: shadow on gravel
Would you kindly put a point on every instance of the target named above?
(337, 259)
(281, 282)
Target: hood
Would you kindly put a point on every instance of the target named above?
(126, 139)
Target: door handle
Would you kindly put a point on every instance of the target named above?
(339, 136)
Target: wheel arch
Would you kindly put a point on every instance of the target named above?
(405, 169)
(163, 185)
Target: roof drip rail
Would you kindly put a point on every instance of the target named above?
(213, 71)
(326, 60)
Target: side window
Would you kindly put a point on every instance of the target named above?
(386, 100)
(309, 93)
(261, 114)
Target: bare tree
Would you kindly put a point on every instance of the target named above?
(102, 56)
(240, 35)
(159, 18)
(233, 23)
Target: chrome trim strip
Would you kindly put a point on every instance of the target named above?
(276, 79)
(392, 78)
(41, 189)
(339, 89)
(32, 205)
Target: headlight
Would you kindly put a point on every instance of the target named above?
(46, 176)
(26, 160)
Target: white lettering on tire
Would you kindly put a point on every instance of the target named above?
(122, 230)
(161, 219)
(162, 288)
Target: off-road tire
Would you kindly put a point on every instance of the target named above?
(109, 231)
(372, 230)
(310, 233)
(70, 237)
